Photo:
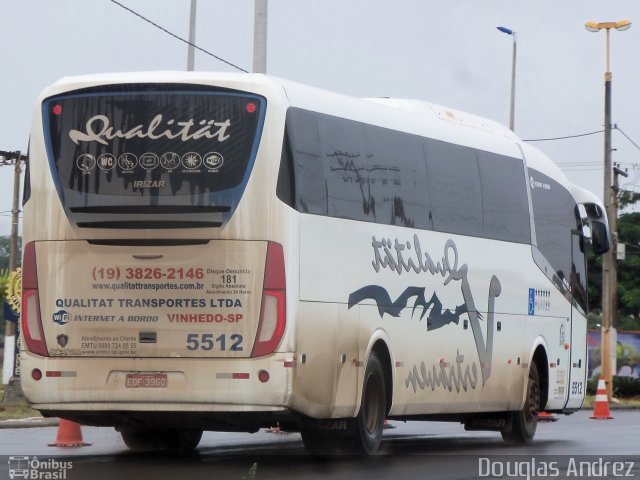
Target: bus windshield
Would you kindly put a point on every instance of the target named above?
(144, 145)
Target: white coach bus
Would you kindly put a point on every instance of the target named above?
(233, 251)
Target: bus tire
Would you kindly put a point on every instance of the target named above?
(182, 440)
(369, 424)
(173, 440)
(138, 440)
(524, 422)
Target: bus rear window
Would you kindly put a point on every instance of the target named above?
(145, 145)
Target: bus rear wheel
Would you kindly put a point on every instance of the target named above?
(369, 423)
(524, 422)
(172, 440)
(361, 435)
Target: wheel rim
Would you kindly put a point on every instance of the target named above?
(533, 400)
(373, 405)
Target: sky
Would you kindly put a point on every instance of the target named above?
(446, 52)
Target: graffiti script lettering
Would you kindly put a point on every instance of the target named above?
(438, 376)
(404, 257)
(98, 129)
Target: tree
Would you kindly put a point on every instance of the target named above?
(4, 278)
(5, 248)
(5, 255)
(629, 269)
(594, 281)
(5, 252)
(628, 289)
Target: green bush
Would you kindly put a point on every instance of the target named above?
(4, 278)
(626, 386)
(622, 386)
(592, 385)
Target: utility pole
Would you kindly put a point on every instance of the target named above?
(15, 159)
(15, 211)
(192, 37)
(260, 37)
(615, 201)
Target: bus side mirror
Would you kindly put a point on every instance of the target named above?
(594, 227)
(599, 237)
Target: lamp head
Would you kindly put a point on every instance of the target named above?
(592, 26)
(506, 30)
(620, 25)
(623, 25)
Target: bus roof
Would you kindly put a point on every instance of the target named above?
(412, 116)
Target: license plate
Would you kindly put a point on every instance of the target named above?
(146, 380)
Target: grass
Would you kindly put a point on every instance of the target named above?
(626, 402)
(15, 410)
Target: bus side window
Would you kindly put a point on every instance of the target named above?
(504, 198)
(600, 237)
(26, 191)
(397, 177)
(286, 188)
(555, 221)
(310, 189)
(579, 267)
(454, 188)
(345, 170)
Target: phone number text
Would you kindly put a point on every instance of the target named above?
(139, 273)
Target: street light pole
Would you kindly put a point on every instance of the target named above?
(192, 37)
(513, 75)
(260, 36)
(609, 260)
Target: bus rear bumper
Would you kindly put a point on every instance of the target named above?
(158, 384)
(225, 418)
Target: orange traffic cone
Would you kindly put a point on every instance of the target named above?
(546, 417)
(69, 435)
(601, 405)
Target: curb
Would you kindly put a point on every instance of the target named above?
(35, 422)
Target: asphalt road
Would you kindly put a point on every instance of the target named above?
(411, 450)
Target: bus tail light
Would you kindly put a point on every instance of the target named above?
(273, 310)
(31, 321)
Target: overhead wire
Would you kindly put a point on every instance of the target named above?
(561, 138)
(594, 166)
(617, 127)
(633, 181)
(178, 37)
